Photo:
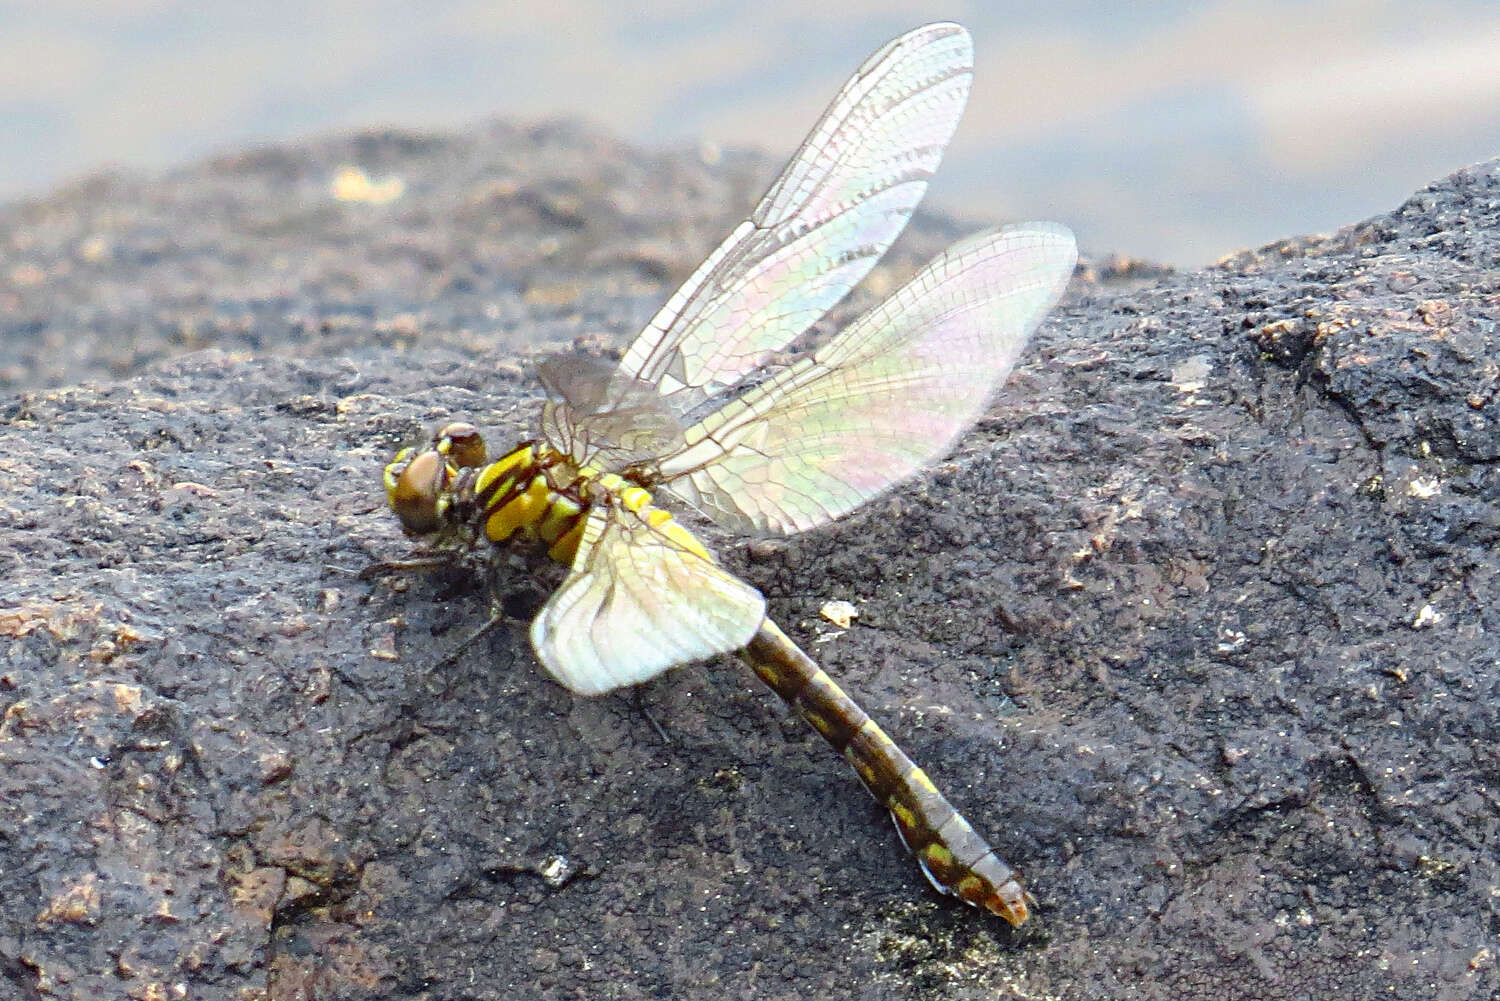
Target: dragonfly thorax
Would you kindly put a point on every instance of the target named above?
(450, 493)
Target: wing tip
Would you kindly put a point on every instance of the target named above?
(924, 37)
(934, 30)
(1054, 243)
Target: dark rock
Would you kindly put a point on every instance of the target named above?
(1198, 625)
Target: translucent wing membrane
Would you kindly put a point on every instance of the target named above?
(834, 211)
(637, 603)
(887, 396)
(601, 418)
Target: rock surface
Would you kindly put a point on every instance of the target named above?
(1200, 625)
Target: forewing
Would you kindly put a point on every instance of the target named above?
(635, 604)
(887, 396)
(845, 195)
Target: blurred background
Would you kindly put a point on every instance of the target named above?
(1174, 131)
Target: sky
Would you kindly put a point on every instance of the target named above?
(1172, 131)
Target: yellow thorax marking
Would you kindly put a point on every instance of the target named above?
(540, 509)
(566, 547)
(521, 512)
(506, 466)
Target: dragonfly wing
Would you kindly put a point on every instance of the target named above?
(600, 418)
(637, 603)
(888, 395)
(832, 213)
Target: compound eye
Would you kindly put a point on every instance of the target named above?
(463, 445)
(414, 495)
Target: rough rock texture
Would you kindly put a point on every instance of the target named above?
(1200, 625)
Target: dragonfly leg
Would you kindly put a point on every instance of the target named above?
(416, 563)
(495, 619)
(640, 707)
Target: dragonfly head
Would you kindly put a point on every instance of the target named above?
(419, 482)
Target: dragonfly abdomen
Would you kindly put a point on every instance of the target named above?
(955, 859)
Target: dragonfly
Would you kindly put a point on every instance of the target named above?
(696, 412)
